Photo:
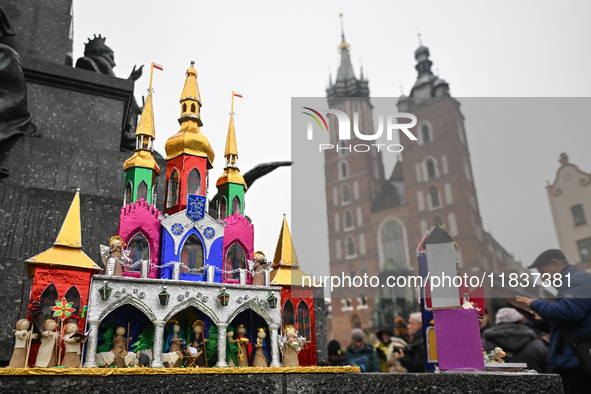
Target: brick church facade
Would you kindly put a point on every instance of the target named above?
(376, 220)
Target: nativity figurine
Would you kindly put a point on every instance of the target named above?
(197, 348)
(232, 348)
(22, 342)
(47, 354)
(114, 256)
(245, 348)
(259, 357)
(290, 345)
(172, 353)
(260, 265)
(72, 340)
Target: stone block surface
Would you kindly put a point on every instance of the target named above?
(42, 28)
(286, 383)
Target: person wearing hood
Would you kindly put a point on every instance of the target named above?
(361, 354)
(520, 342)
(381, 347)
(336, 358)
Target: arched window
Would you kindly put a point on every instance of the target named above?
(235, 205)
(304, 321)
(346, 194)
(434, 196)
(348, 220)
(140, 250)
(73, 296)
(194, 182)
(351, 247)
(288, 314)
(393, 244)
(223, 208)
(128, 193)
(235, 258)
(425, 132)
(192, 252)
(184, 107)
(154, 194)
(173, 189)
(46, 301)
(344, 170)
(193, 108)
(431, 169)
(437, 221)
(356, 322)
(142, 191)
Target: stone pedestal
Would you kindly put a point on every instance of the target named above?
(338, 383)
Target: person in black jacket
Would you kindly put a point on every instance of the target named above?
(336, 357)
(413, 357)
(520, 342)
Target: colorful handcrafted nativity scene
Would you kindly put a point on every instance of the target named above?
(182, 287)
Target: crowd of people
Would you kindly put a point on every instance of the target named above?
(554, 342)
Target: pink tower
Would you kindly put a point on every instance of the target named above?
(139, 227)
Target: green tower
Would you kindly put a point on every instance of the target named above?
(231, 185)
(141, 169)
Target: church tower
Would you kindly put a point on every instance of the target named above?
(231, 185)
(141, 169)
(437, 171)
(353, 180)
(189, 156)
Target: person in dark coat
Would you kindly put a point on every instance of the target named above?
(362, 354)
(413, 358)
(336, 357)
(572, 310)
(520, 342)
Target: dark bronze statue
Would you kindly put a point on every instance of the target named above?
(14, 113)
(98, 57)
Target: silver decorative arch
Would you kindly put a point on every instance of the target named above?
(131, 300)
(197, 304)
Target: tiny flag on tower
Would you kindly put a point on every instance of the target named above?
(236, 94)
(158, 66)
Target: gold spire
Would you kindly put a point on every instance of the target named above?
(189, 139)
(145, 135)
(286, 269)
(231, 171)
(191, 89)
(231, 147)
(71, 234)
(67, 249)
(285, 253)
(146, 125)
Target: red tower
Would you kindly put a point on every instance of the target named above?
(188, 153)
(297, 302)
(62, 272)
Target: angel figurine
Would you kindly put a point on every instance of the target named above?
(260, 264)
(290, 345)
(22, 337)
(114, 256)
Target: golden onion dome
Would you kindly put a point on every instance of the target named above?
(189, 140)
